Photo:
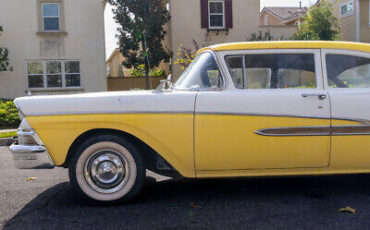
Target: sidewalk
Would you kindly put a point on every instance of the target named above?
(6, 141)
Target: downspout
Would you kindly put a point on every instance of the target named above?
(358, 20)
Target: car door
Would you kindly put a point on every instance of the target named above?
(347, 79)
(273, 114)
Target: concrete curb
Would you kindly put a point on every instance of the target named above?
(6, 141)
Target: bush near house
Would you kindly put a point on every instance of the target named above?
(8, 114)
(140, 72)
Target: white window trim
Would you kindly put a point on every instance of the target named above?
(209, 14)
(44, 74)
(347, 14)
(42, 15)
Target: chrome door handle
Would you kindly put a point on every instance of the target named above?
(319, 95)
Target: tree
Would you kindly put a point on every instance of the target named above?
(4, 60)
(319, 23)
(141, 32)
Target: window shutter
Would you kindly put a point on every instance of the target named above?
(228, 14)
(204, 13)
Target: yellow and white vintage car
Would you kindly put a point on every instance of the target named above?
(239, 110)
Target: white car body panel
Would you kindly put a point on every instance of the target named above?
(109, 103)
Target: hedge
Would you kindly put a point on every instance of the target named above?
(8, 114)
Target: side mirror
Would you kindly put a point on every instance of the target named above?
(169, 81)
(162, 85)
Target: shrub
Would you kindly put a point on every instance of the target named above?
(140, 72)
(157, 73)
(8, 114)
(261, 36)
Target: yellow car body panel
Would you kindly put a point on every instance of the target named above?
(232, 144)
(350, 152)
(171, 135)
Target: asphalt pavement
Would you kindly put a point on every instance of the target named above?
(46, 201)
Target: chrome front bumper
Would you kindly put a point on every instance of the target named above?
(30, 153)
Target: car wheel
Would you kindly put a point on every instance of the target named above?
(106, 169)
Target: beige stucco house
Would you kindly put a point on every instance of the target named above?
(215, 21)
(55, 46)
(115, 67)
(354, 19)
(282, 16)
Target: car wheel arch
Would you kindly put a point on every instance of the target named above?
(150, 157)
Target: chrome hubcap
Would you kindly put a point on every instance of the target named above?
(106, 171)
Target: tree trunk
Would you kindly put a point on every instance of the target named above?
(146, 64)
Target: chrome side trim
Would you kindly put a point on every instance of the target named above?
(360, 121)
(295, 131)
(111, 112)
(258, 115)
(350, 130)
(315, 131)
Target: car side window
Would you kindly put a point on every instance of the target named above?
(203, 73)
(235, 66)
(272, 71)
(346, 71)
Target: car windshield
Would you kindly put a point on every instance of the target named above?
(203, 73)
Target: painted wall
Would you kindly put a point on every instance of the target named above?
(129, 83)
(83, 40)
(114, 63)
(279, 31)
(364, 21)
(272, 20)
(186, 25)
(347, 23)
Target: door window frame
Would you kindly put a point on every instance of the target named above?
(325, 52)
(315, 52)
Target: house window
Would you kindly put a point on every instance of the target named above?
(50, 16)
(53, 74)
(347, 8)
(216, 14)
(72, 73)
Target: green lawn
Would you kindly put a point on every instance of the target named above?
(8, 134)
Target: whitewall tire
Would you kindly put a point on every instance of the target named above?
(106, 169)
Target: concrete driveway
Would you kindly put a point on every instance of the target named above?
(274, 203)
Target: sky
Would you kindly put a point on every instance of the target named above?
(111, 26)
